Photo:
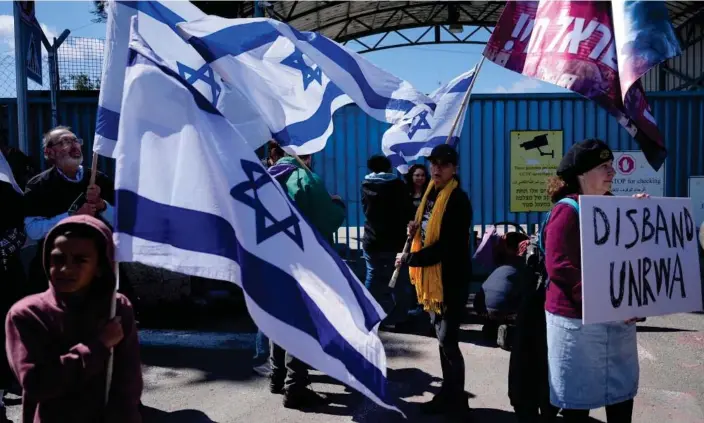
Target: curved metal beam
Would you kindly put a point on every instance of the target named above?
(369, 49)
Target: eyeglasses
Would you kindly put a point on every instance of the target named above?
(66, 142)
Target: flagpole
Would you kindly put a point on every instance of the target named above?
(113, 309)
(93, 168)
(113, 301)
(460, 113)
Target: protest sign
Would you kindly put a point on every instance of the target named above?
(639, 257)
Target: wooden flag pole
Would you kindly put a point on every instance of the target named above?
(460, 113)
(93, 168)
(113, 301)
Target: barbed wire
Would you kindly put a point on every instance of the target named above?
(80, 67)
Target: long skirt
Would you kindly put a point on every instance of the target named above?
(591, 366)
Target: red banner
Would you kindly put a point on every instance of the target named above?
(573, 45)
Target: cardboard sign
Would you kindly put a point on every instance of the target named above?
(535, 156)
(634, 175)
(639, 258)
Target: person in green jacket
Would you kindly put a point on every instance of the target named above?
(325, 213)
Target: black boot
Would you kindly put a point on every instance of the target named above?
(437, 405)
(458, 407)
(276, 385)
(303, 398)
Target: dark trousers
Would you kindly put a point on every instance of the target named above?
(287, 369)
(447, 328)
(395, 301)
(615, 413)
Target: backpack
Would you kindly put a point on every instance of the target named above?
(535, 253)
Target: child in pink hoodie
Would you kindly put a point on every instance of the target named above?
(58, 342)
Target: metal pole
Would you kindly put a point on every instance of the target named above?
(54, 86)
(20, 81)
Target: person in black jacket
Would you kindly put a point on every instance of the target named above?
(387, 209)
(12, 238)
(440, 269)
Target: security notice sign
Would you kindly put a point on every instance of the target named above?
(535, 156)
(634, 174)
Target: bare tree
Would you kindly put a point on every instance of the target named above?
(99, 11)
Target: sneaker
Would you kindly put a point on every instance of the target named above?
(263, 369)
(304, 398)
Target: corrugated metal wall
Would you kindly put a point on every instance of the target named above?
(484, 145)
(76, 112)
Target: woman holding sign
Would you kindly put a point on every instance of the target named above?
(590, 366)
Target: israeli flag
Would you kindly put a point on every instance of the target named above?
(225, 41)
(293, 95)
(193, 197)
(419, 131)
(157, 23)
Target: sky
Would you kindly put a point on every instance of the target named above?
(426, 67)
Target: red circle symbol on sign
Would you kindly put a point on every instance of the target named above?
(626, 164)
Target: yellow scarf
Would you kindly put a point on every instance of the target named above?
(428, 280)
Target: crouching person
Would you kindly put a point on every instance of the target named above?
(58, 342)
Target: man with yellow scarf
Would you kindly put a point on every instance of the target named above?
(440, 270)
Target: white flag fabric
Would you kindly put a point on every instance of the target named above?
(293, 95)
(157, 23)
(193, 197)
(6, 173)
(416, 135)
(377, 92)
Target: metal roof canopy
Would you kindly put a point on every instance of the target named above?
(346, 21)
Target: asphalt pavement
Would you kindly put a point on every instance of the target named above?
(203, 375)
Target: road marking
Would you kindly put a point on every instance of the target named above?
(643, 354)
(196, 339)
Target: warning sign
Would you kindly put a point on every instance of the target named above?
(34, 57)
(634, 175)
(535, 156)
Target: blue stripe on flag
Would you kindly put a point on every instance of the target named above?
(462, 86)
(234, 40)
(107, 123)
(301, 132)
(156, 11)
(396, 160)
(412, 148)
(165, 224)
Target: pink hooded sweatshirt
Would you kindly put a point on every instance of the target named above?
(53, 348)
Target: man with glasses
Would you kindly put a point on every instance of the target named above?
(61, 191)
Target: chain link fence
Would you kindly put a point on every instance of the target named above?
(80, 67)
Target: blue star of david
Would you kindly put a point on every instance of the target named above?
(204, 73)
(257, 178)
(421, 122)
(295, 60)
